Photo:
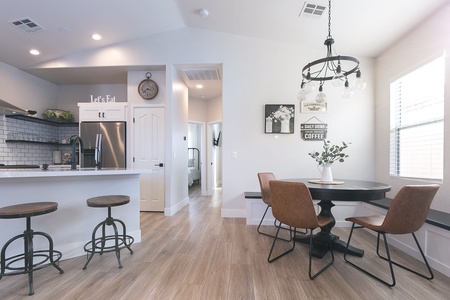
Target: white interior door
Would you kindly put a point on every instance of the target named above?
(149, 154)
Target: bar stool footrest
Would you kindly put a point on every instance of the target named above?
(99, 249)
(44, 262)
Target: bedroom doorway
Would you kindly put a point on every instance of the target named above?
(196, 157)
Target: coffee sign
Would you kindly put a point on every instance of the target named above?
(313, 131)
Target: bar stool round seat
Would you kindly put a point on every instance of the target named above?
(114, 242)
(30, 260)
(108, 201)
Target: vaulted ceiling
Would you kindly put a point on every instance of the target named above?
(362, 28)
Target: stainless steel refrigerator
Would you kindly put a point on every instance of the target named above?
(104, 144)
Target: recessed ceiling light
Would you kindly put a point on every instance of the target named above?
(34, 52)
(96, 36)
(199, 86)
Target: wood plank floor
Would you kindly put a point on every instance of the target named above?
(196, 254)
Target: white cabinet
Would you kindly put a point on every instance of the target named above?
(115, 111)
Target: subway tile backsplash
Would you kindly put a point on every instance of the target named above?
(31, 153)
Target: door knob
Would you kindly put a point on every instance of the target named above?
(159, 165)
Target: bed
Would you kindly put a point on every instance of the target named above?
(194, 174)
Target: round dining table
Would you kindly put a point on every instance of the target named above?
(338, 190)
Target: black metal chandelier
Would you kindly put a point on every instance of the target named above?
(334, 68)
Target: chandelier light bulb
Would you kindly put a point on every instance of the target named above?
(347, 91)
(338, 80)
(321, 97)
(309, 87)
(359, 83)
(301, 95)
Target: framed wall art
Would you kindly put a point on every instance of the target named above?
(279, 118)
(313, 107)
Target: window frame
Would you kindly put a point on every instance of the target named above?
(395, 119)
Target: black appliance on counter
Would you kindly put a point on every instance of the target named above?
(104, 144)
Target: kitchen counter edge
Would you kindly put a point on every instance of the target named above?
(34, 173)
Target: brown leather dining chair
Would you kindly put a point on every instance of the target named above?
(264, 178)
(292, 205)
(406, 214)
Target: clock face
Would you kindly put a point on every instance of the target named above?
(148, 89)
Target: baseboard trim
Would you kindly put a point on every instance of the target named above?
(170, 211)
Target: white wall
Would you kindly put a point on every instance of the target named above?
(70, 95)
(422, 44)
(214, 109)
(198, 110)
(177, 96)
(26, 91)
(255, 72)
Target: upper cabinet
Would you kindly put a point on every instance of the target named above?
(113, 111)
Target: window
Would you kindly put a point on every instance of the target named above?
(417, 122)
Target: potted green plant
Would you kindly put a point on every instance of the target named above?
(328, 156)
(49, 114)
(66, 115)
(58, 115)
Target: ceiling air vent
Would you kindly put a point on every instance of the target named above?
(312, 10)
(26, 25)
(202, 74)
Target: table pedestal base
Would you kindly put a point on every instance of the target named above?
(321, 245)
(322, 239)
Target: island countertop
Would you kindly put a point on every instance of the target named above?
(58, 172)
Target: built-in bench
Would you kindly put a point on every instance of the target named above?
(435, 217)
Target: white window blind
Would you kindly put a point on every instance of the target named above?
(417, 122)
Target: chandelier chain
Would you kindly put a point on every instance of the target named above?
(329, 18)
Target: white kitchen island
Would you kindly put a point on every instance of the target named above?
(72, 224)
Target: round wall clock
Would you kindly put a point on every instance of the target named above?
(148, 89)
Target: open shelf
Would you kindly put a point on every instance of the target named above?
(42, 121)
(36, 142)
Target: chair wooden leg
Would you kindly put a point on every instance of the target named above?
(273, 245)
(312, 277)
(274, 222)
(429, 277)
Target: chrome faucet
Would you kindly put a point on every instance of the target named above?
(74, 140)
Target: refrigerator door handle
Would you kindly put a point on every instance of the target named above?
(98, 149)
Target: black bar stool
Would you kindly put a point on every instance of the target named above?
(103, 243)
(44, 258)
